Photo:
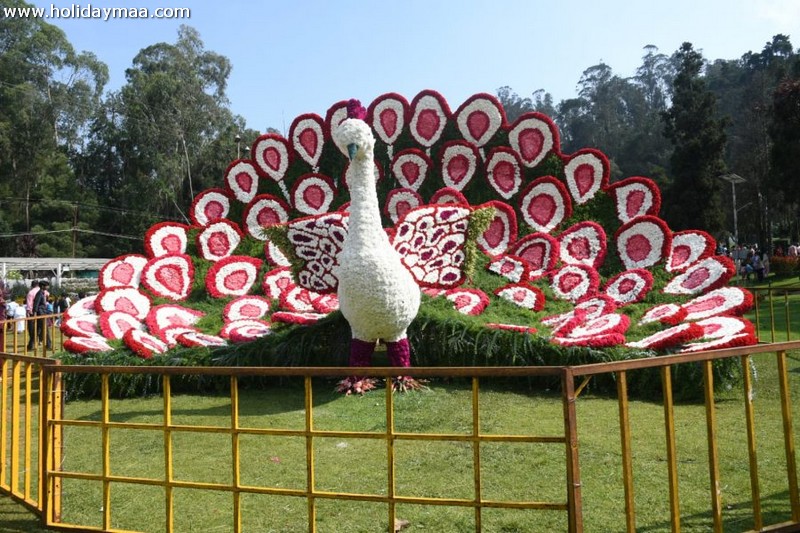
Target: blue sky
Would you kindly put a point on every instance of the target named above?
(295, 57)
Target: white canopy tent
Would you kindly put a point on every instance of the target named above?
(57, 266)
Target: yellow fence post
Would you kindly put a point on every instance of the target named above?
(672, 453)
(788, 435)
(574, 510)
(625, 438)
(713, 454)
(749, 415)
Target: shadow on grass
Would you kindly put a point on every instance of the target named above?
(736, 517)
(16, 518)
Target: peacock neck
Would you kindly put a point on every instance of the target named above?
(364, 227)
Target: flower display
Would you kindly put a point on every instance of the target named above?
(274, 255)
(263, 211)
(468, 301)
(431, 242)
(511, 327)
(722, 301)
(277, 281)
(727, 341)
(629, 286)
(195, 339)
(87, 344)
(218, 240)
(533, 136)
(326, 303)
(583, 244)
(599, 304)
(170, 335)
(410, 168)
(448, 195)
(84, 306)
(271, 156)
(166, 316)
(717, 327)
(502, 230)
(573, 282)
(210, 206)
(689, 247)
(114, 324)
(523, 295)
(81, 326)
(169, 276)
(313, 193)
(670, 314)
(511, 267)
(291, 317)
(387, 115)
(245, 330)
(587, 172)
(602, 325)
(246, 307)
(458, 161)
(165, 238)
(432, 292)
(564, 324)
(429, 115)
(399, 202)
(708, 274)
(318, 241)
(123, 271)
(307, 134)
(241, 179)
(232, 276)
(479, 118)
(504, 171)
(592, 341)
(643, 242)
(545, 204)
(635, 197)
(125, 299)
(539, 250)
(143, 344)
(670, 337)
(286, 207)
(297, 300)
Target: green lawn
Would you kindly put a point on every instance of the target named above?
(510, 471)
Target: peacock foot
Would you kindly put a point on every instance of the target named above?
(407, 383)
(355, 385)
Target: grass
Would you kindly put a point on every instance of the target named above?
(509, 471)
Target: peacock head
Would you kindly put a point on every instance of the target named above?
(353, 135)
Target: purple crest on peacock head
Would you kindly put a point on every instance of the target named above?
(355, 109)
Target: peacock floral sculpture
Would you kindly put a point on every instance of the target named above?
(333, 219)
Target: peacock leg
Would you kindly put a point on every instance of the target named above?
(361, 352)
(360, 356)
(399, 353)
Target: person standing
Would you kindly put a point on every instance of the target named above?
(30, 312)
(40, 307)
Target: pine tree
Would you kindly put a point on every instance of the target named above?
(698, 138)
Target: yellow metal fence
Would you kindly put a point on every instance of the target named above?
(33, 422)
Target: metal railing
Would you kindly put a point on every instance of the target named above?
(33, 422)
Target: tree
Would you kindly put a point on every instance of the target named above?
(164, 137)
(698, 139)
(785, 151)
(47, 93)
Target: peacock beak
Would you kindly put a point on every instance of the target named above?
(351, 150)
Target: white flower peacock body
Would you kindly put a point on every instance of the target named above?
(377, 294)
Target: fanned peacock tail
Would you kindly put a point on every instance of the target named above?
(489, 215)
